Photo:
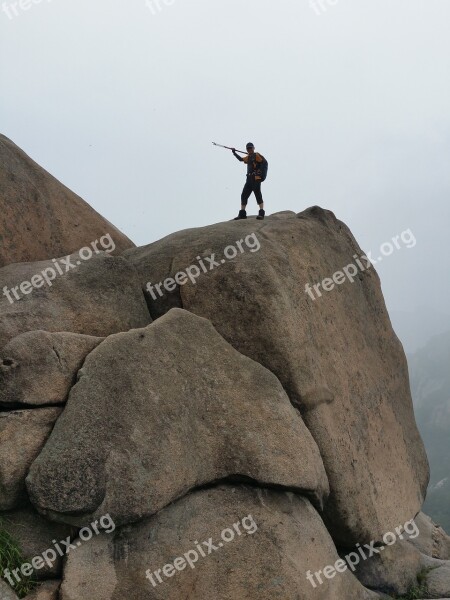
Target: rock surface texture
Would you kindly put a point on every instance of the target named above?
(34, 535)
(49, 590)
(38, 368)
(273, 540)
(432, 539)
(6, 593)
(22, 435)
(97, 298)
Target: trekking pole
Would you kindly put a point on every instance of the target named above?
(228, 148)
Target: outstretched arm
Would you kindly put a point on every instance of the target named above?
(236, 155)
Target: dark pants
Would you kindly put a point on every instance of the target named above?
(251, 186)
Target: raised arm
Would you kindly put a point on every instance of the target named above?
(236, 155)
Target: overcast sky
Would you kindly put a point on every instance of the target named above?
(350, 103)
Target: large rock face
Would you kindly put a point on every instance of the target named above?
(39, 217)
(97, 297)
(159, 411)
(336, 355)
(250, 423)
(263, 545)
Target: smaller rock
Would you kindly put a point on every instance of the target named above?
(438, 581)
(438, 577)
(38, 368)
(34, 535)
(98, 297)
(6, 592)
(23, 434)
(46, 591)
(432, 539)
(392, 570)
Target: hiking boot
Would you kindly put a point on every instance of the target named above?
(261, 214)
(242, 215)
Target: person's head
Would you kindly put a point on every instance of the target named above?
(250, 148)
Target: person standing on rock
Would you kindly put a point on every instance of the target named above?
(256, 173)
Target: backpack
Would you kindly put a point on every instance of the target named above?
(264, 167)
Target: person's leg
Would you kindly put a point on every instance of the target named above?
(246, 193)
(244, 199)
(258, 193)
(259, 199)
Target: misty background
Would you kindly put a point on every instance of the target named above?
(348, 100)
(349, 103)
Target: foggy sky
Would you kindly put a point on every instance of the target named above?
(350, 104)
